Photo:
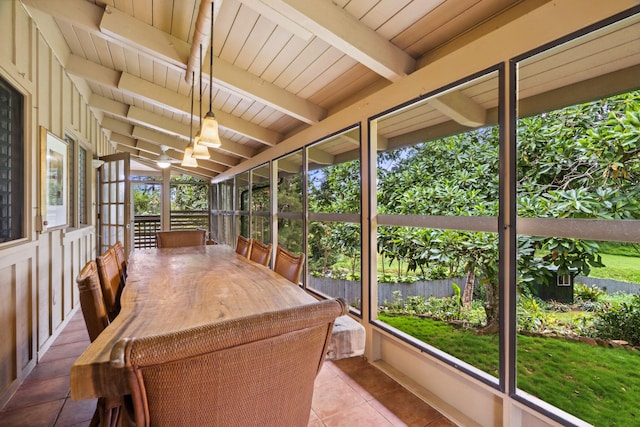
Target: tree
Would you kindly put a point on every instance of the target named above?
(335, 189)
(189, 194)
(577, 162)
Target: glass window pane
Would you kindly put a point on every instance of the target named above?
(261, 204)
(11, 164)
(437, 241)
(290, 183)
(334, 232)
(578, 175)
(289, 197)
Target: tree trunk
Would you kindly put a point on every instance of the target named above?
(467, 295)
(492, 309)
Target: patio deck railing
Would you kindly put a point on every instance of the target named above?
(146, 226)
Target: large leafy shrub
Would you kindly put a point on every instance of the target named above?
(620, 321)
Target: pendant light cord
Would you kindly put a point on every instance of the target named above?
(200, 90)
(211, 62)
(193, 76)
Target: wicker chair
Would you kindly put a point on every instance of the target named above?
(121, 258)
(243, 246)
(288, 264)
(111, 281)
(180, 238)
(255, 370)
(96, 320)
(260, 252)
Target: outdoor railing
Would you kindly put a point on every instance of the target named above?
(146, 226)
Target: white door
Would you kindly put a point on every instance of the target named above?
(115, 215)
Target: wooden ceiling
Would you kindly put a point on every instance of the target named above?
(279, 66)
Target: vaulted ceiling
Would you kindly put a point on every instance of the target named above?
(278, 65)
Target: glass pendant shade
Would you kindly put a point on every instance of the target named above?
(188, 159)
(164, 161)
(199, 150)
(209, 135)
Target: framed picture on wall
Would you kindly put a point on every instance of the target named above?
(54, 185)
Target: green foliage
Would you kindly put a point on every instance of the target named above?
(448, 308)
(597, 384)
(584, 293)
(290, 200)
(620, 322)
(146, 199)
(189, 194)
(619, 267)
(531, 316)
(621, 249)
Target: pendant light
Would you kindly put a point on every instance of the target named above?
(209, 134)
(164, 161)
(199, 150)
(188, 160)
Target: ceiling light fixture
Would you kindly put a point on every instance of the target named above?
(209, 133)
(200, 151)
(188, 160)
(164, 161)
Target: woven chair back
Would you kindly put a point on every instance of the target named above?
(243, 246)
(288, 265)
(180, 238)
(255, 370)
(111, 281)
(260, 252)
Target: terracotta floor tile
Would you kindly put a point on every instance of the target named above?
(34, 392)
(80, 335)
(331, 397)
(64, 339)
(55, 368)
(360, 415)
(72, 349)
(441, 422)
(41, 415)
(348, 392)
(403, 406)
(314, 420)
(371, 382)
(75, 412)
(346, 367)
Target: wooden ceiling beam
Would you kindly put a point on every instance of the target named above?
(341, 30)
(141, 38)
(161, 124)
(168, 99)
(459, 107)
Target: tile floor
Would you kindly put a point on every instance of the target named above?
(348, 392)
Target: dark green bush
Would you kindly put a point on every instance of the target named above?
(587, 293)
(620, 322)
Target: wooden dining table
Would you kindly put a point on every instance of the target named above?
(169, 289)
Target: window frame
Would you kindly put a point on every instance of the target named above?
(20, 176)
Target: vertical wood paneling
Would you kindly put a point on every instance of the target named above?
(75, 109)
(56, 259)
(24, 312)
(67, 271)
(66, 99)
(43, 293)
(37, 279)
(7, 22)
(43, 86)
(55, 90)
(8, 371)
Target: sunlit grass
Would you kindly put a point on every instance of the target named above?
(597, 384)
(618, 267)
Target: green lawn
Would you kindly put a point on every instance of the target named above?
(599, 385)
(618, 267)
